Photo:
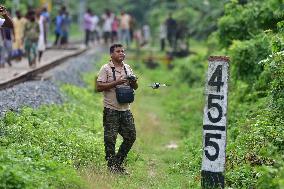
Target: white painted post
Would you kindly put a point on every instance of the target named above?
(215, 122)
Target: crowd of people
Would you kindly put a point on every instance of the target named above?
(28, 36)
(109, 27)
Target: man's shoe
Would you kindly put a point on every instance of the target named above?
(122, 170)
(118, 170)
(112, 169)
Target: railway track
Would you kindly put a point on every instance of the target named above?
(31, 74)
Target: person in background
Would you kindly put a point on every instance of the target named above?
(88, 26)
(94, 28)
(125, 20)
(2, 54)
(5, 22)
(132, 26)
(7, 39)
(18, 32)
(146, 34)
(6, 34)
(163, 35)
(31, 36)
(46, 16)
(41, 40)
(65, 29)
(6, 46)
(114, 27)
(107, 24)
(58, 28)
(171, 25)
(138, 38)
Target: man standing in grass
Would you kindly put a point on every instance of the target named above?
(117, 116)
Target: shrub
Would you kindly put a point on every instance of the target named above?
(242, 22)
(191, 70)
(245, 56)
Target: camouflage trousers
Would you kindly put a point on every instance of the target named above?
(118, 122)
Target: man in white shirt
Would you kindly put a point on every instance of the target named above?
(94, 28)
(108, 19)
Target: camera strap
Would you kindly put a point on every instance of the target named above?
(113, 72)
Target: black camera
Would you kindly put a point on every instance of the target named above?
(131, 77)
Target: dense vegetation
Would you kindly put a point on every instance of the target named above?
(252, 35)
(40, 148)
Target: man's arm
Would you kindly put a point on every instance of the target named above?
(100, 86)
(133, 84)
(8, 21)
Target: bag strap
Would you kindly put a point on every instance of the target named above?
(113, 72)
(125, 70)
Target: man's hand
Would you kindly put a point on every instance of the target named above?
(121, 80)
(107, 86)
(3, 10)
(133, 84)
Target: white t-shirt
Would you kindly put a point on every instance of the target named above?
(107, 23)
(2, 21)
(95, 21)
(41, 43)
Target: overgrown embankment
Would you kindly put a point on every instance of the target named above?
(43, 148)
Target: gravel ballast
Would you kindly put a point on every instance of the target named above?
(36, 93)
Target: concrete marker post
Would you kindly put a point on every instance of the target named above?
(215, 123)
